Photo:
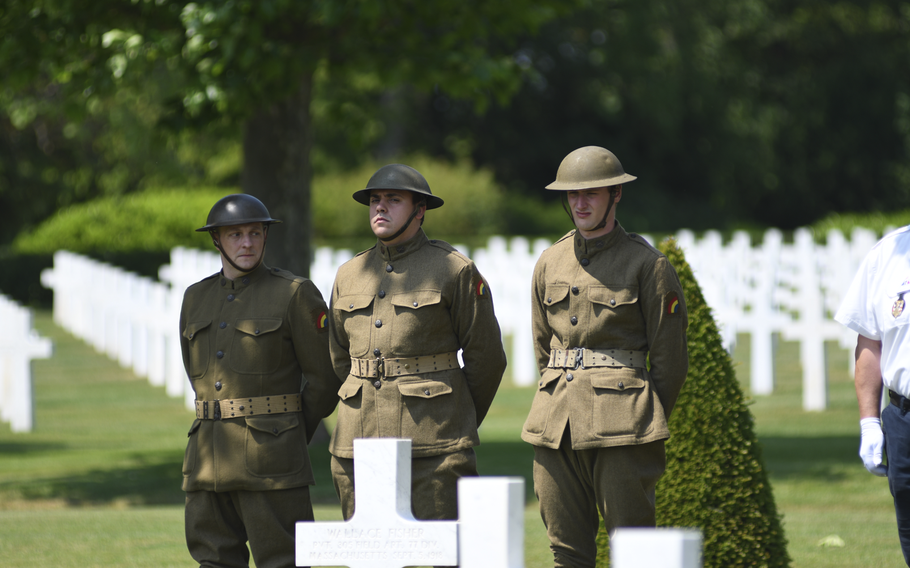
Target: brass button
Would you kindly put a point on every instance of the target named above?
(220, 354)
(388, 268)
(376, 352)
(612, 302)
(585, 262)
(378, 323)
(569, 377)
(217, 385)
(381, 294)
(222, 325)
(377, 384)
(230, 298)
(574, 320)
(575, 290)
(415, 304)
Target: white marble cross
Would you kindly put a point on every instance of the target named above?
(383, 532)
(655, 548)
(19, 344)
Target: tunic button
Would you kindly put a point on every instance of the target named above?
(220, 354)
(585, 262)
(245, 280)
(415, 304)
(274, 430)
(222, 325)
(377, 384)
(256, 332)
(569, 377)
(621, 386)
(426, 392)
(275, 269)
(230, 297)
(376, 352)
(612, 302)
(388, 268)
(549, 300)
(191, 335)
(381, 294)
(351, 307)
(575, 290)
(378, 323)
(218, 385)
(574, 320)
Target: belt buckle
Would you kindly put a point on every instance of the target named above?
(579, 360)
(216, 412)
(380, 368)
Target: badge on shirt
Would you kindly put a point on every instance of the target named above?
(322, 320)
(672, 303)
(480, 287)
(898, 308)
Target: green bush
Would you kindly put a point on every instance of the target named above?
(715, 479)
(879, 222)
(148, 221)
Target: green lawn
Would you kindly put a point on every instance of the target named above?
(98, 481)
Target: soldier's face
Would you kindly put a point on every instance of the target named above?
(588, 207)
(243, 244)
(389, 211)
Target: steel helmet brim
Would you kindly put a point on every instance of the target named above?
(401, 177)
(590, 167)
(237, 209)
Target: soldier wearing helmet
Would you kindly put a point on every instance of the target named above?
(609, 325)
(255, 347)
(401, 311)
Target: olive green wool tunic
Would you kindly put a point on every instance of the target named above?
(417, 299)
(264, 334)
(615, 292)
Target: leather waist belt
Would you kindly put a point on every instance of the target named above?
(899, 401)
(250, 406)
(585, 358)
(382, 367)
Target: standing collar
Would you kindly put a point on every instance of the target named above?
(400, 250)
(586, 248)
(247, 279)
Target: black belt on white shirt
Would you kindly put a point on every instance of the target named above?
(899, 401)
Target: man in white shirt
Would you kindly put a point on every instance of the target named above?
(876, 307)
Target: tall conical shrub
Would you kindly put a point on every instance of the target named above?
(715, 479)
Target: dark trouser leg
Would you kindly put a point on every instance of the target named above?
(896, 425)
(434, 483)
(215, 535)
(572, 485)
(270, 518)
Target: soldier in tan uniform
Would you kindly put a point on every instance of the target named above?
(255, 346)
(401, 311)
(609, 324)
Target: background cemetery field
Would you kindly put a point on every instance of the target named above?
(98, 481)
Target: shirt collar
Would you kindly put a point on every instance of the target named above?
(400, 250)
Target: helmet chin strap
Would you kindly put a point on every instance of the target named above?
(224, 255)
(403, 227)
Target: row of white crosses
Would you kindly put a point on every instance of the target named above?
(489, 532)
(766, 290)
(19, 345)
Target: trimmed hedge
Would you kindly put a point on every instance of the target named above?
(715, 479)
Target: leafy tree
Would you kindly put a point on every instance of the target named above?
(255, 64)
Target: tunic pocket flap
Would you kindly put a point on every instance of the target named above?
(196, 424)
(612, 297)
(617, 381)
(424, 389)
(275, 425)
(548, 376)
(258, 326)
(417, 299)
(349, 388)
(556, 293)
(353, 302)
(193, 327)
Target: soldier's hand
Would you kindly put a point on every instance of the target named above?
(871, 445)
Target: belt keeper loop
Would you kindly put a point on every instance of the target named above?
(216, 415)
(205, 409)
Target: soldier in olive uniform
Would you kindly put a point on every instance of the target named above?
(400, 312)
(255, 346)
(609, 324)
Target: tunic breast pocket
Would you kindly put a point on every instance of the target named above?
(198, 337)
(257, 346)
(419, 314)
(609, 301)
(354, 313)
(554, 297)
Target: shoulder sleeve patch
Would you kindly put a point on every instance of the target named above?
(321, 319)
(480, 286)
(671, 302)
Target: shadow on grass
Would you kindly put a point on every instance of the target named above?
(28, 447)
(811, 457)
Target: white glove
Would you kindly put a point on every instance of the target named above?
(872, 441)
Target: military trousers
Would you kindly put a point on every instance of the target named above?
(219, 524)
(573, 485)
(434, 484)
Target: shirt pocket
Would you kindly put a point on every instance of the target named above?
(419, 315)
(623, 403)
(275, 445)
(198, 336)
(257, 347)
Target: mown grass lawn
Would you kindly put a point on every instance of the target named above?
(98, 481)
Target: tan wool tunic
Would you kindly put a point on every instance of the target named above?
(264, 334)
(416, 299)
(611, 292)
